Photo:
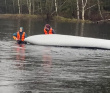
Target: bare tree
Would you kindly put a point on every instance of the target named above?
(6, 5)
(77, 9)
(33, 6)
(83, 8)
(19, 7)
(56, 6)
(100, 9)
(29, 4)
(13, 6)
(29, 7)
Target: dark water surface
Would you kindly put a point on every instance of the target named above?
(42, 69)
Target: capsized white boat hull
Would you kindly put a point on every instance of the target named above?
(69, 41)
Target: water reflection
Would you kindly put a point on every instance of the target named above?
(20, 55)
(82, 29)
(43, 69)
(29, 29)
(79, 31)
(47, 59)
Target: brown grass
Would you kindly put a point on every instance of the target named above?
(63, 19)
(17, 16)
(39, 17)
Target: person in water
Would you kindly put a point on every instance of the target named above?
(20, 36)
(48, 29)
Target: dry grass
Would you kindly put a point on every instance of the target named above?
(17, 16)
(39, 17)
(62, 19)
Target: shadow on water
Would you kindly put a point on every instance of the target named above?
(44, 69)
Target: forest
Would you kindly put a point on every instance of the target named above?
(74, 9)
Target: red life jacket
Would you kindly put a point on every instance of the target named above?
(23, 36)
(48, 32)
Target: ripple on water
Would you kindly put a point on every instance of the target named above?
(52, 69)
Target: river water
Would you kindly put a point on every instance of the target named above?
(42, 69)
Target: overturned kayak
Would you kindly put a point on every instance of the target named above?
(68, 41)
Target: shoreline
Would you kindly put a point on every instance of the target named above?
(63, 19)
(41, 17)
(16, 16)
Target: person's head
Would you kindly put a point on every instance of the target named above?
(21, 29)
(47, 27)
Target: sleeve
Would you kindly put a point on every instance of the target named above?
(25, 35)
(14, 36)
(53, 31)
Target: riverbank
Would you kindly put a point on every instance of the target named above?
(40, 17)
(63, 19)
(17, 16)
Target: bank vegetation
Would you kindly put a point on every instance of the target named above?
(94, 10)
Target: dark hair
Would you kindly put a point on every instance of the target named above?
(47, 25)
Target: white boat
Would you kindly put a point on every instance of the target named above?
(68, 41)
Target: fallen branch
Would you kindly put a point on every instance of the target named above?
(103, 20)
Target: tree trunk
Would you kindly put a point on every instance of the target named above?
(100, 9)
(6, 6)
(19, 7)
(77, 9)
(52, 4)
(33, 7)
(83, 9)
(56, 9)
(41, 7)
(29, 7)
(89, 11)
(13, 6)
(83, 12)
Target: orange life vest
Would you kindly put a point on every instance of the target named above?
(23, 36)
(48, 32)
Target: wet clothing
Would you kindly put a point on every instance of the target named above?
(20, 36)
(49, 31)
(21, 42)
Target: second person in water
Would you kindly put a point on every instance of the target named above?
(48, 29)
